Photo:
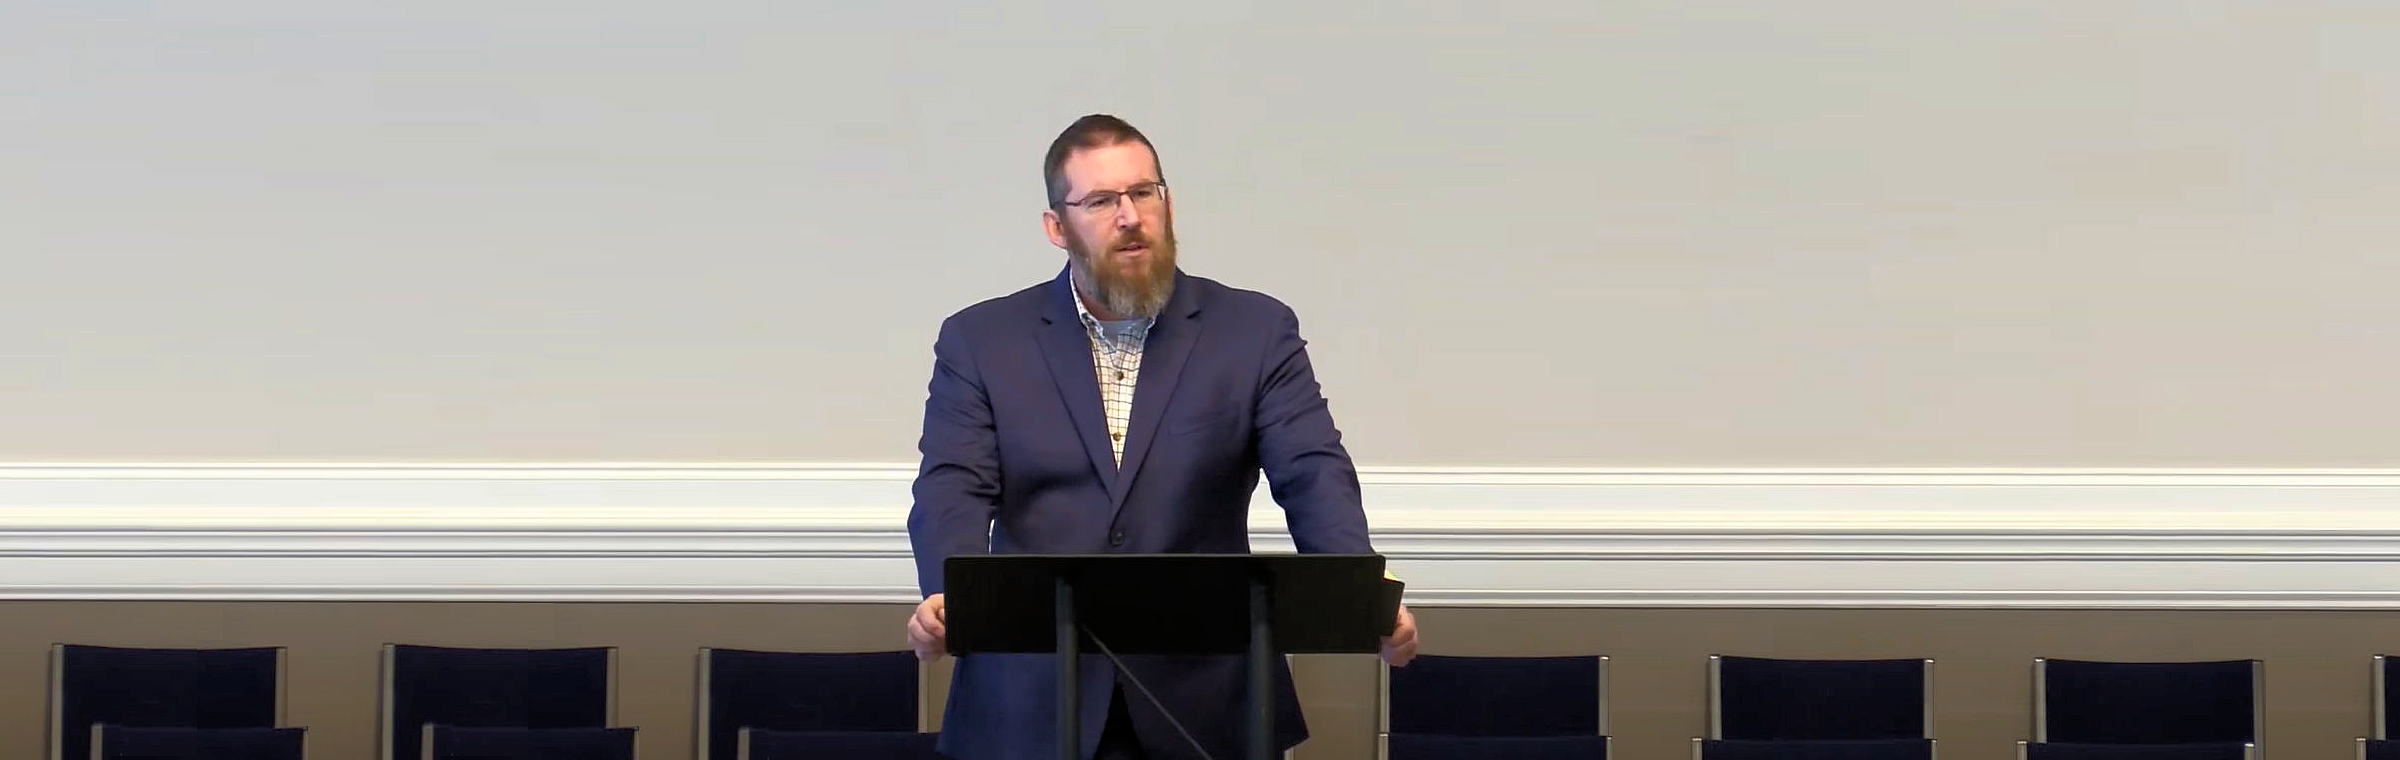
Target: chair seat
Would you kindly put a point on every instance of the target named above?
(500, 743)
(1455, 747)
(2184, 751)
(182, 743)
(767, 744)
(1816, 749)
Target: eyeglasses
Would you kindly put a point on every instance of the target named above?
(1146, 196)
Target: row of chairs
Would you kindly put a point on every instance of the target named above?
(445, 703)
(559, 704)
(1554, 708)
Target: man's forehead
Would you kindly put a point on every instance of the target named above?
(1115, 165)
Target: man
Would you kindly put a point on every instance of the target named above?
(1121, 407)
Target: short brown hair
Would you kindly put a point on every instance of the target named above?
(1095, 131)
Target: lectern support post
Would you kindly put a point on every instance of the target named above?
(1260, 737)
(1070, 730)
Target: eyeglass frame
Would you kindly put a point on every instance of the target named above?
(1116, 198)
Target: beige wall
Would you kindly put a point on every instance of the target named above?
(1836, 233)
(2316, 662)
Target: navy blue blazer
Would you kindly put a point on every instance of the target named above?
(1016, 459)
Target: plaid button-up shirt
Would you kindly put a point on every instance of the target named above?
(1117, 363)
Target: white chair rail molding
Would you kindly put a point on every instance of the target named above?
(1465, 536)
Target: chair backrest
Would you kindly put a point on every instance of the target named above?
(804, 691)
(1761, 698)
(770, 744)
(1446, 747)
(515, 688)
(196, 688)
(179, 743)
(2085, 701)
(2102, 751)
(2378, 749)
(1497, 696)
(1813, 749)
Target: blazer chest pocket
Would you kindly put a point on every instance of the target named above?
(1210, 418)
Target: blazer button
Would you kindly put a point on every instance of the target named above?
(1116, 539)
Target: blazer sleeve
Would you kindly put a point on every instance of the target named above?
(957, 489)
(1308, 471)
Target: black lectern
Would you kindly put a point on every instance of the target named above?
(1260, 605)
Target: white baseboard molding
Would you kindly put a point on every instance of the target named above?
(2196, 539)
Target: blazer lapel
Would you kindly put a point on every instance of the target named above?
(1068, 348)
(1163, 354)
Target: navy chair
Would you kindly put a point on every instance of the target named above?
(2378, 744)
(803, 691)
(2086, 702)
(770, 744)
(187, 688)
(1449, 747)
(1760, 698)
(442, 742)
(496, 688)
(1812, 749)
(2174, 751)
(178, 743)
(1451, 696)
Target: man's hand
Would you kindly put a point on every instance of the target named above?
(927, 635)
(1401, 646)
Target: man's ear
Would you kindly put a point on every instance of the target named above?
(1051, 226)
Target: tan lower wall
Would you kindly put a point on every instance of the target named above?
(2316, 688)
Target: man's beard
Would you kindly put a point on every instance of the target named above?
(1132, 291)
